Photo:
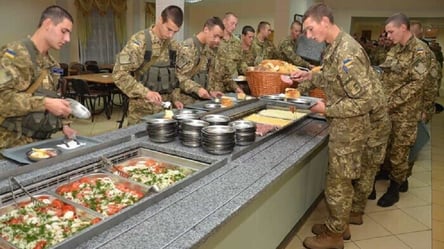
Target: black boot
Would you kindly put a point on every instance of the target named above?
(404, 187)
(382, 175)
(391, 196)
(372, 195)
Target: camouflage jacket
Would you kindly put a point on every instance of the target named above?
(227, 60)
(17, 73)
(132, 57)
(192, 57)
(264, 50)
(377, 55)
(287, 52)
(344, 78)
(248, 57)
(406, 69)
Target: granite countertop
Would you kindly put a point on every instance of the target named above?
(187, 216)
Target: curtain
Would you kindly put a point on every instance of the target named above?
(101, 45)
(84, 9)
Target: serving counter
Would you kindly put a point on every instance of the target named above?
(250, 198)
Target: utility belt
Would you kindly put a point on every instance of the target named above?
(38, 125)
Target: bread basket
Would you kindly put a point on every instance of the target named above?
(265, 83)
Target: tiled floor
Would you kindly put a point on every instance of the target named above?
(411, 223)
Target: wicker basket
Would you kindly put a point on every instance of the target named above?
(318, 93)
(265, 83)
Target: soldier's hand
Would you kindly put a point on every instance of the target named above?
(300, 76)
(203, 93)
(154, 97)
(319, 107)
(69, 132)
(178, 104)
(239, 90)
(216, 94)
(58, 107)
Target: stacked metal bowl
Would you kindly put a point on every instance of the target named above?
(245, 132)
(162, 130)
(190, 133)
(216, 119)
(218, 139)
(184, 116)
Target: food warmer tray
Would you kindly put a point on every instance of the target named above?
(303, 102)
(201, 105)
(81, 212)
(19, 155)
(262, 139)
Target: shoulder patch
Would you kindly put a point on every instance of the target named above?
(419, 50)
(135, 43)
(10, 53)
(347, 64)
(4, 76)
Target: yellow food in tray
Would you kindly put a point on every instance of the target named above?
(282, 114)
(267, 120)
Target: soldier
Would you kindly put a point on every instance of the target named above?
(378, 54)
(406, 69)
(248, 55)
(351, 97)
(287, 48)
(194, 58)
(430, 92)
(263, 47)
(144, 69)
(30, 107)
(228, 58)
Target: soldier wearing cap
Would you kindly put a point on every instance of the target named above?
(262, 45)
(144, 69)
(287, 48)
(194, 59)
(30, 107)
(227, 59)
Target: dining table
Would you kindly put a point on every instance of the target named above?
(100, 79)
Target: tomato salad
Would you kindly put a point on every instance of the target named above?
(151, 172)
(41, 226)
(101, 194)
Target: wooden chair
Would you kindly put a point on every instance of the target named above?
(76, 68)
(65, 68)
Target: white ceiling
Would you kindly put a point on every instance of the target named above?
(402, 5)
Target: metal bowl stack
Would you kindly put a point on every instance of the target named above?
(190, 133)
(218, 139)
(245, 132)
(162, 130)
(216, 119)
(184, 116)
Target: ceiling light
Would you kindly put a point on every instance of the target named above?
(192, 1)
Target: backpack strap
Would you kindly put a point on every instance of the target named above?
(32, 52)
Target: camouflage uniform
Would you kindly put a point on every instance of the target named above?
(129, 60)
(378, 54)
(263, 50)
(374, 156)
(349, 90)
(227, 60)
(405, 72)
(287, 52)
(248, 57)
(192, 63)
(17, 74)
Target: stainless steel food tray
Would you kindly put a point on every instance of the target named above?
(81, 212)
(18, 154)
(303, 102)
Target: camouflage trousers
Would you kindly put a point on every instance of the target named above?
(347, 144)
(402, 138)
(9, 139)
(373, 157)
